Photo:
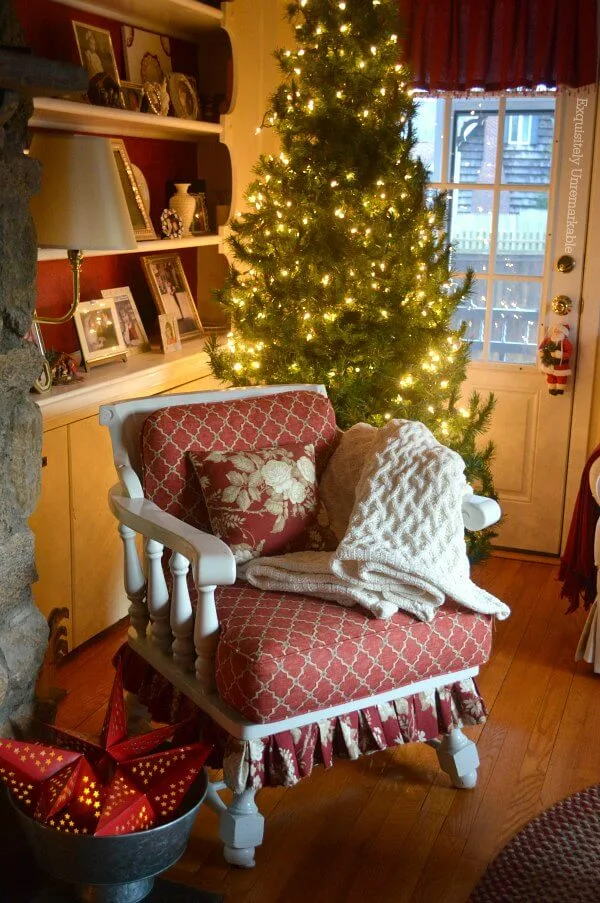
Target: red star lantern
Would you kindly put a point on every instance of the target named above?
(166, 776)
(72, 799)
(100, 788)
(126, 808)
(25, 766)
(114, 746)
(147, 791)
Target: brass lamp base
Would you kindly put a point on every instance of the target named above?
(75, 259)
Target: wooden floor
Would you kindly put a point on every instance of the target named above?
(389, 827)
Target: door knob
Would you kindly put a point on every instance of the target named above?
(565, 264)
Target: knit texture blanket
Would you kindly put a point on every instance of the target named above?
(404, 545)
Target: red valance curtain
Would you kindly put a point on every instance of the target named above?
(455, 45)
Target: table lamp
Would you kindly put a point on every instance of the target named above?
(81, 204)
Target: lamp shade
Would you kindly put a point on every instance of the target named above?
(81, 204)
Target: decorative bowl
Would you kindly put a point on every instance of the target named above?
(119, 868)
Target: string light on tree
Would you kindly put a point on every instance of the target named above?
(350, 282)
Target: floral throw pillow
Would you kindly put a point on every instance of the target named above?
(262, 502)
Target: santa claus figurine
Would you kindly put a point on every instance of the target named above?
(555, 355)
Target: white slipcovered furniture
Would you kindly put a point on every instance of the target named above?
(277, 681)
(588, 647)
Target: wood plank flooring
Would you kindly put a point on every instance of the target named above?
(389, 827)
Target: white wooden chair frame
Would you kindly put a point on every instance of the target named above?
(187, 660)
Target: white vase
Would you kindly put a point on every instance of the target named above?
(183, 204)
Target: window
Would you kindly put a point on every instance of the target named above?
(519, 128)
(493, 157)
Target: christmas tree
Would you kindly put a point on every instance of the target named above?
(341, 270)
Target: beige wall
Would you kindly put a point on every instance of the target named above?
(256, 30)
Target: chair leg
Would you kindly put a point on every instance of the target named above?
(458, 758)
(242, 829)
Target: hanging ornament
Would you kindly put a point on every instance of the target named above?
(555, 353)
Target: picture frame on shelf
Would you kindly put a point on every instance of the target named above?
(99, 332)
(132, 328)
(170, 340)
(171, 293)
(147, 55)
(171, 224)
(140, 217)
(142, 184)
(184, 98)
(156, 98)
(44, 381)
(104, 91)
(133, 96)
(95, 50)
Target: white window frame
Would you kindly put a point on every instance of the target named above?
(497, 186)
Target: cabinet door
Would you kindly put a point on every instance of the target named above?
(99, 598)
(51, 525)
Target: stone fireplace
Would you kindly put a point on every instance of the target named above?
(23, 629)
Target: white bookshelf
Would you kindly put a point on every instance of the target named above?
(186, 19)
(73, 116)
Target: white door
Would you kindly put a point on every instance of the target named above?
(517, 172)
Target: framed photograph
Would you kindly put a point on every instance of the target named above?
(170, 339)
(171, 224)
(44, 380)
(132, 95)
(104, 91)
(132, 328)
(99, 331)
(183, 96)
(147, 55)
(171, 292)
(140, 218)
(95, 50)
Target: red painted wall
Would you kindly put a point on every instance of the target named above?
(49, 33)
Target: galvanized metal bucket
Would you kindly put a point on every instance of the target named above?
(118, 869)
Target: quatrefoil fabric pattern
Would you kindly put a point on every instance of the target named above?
(262, 502)
(244, 424)
(283, 654)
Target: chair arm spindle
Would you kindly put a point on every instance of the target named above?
(158, 596)
(135, 582)
(206, 635)
(182, 618)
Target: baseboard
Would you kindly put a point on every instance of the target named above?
(537, 557)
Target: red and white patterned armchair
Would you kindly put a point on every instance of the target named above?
(278, 682)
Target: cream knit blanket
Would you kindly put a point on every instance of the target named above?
(404, 546)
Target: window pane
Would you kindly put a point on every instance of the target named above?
(474, 141)
(472, 312)
(429, 129)
(497, 179)
(515, 317)
(527, 143)
(470, 228)
(522, 226)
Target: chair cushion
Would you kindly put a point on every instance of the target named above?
(281, 655)
(262, 502)
(244, 424)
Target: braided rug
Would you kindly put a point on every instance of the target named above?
(554, 859)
